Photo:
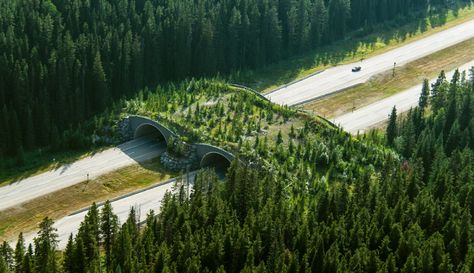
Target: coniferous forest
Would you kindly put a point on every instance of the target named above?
(317, 200)
(61, 62)
(302, 195)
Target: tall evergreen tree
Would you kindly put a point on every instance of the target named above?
(68, 256)
(425, 93)
(100, 95)
(45, 247)
(19, 253)
(3, 266)
(108, 230)
(392, 127)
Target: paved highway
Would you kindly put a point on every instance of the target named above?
(366, 117)
(143, 201)
(128, 153)
(341, 77)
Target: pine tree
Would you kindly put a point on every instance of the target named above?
(17, 141)
(392, 127)
(438, 92)
(453, 140)
(28, 261)
(45, 247)
(99, 91)
(89, 233)
(19, 253)
(80, 257)
(279, 139)
(123, 253)
(318, 22)
(69, 259)
(6, 252)
(3, 266)
(466, 113)
(425, 93)
(5, 133)
(108, 230)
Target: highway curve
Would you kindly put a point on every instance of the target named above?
(341, 77)
(126, 154)
(142, 200)
(366, 117)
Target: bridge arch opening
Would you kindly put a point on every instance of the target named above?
(150, 131)
(216, 161)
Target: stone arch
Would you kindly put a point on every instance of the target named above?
(215, 160)
(142, 126)
(149, 130)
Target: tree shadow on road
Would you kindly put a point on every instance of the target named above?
(354, 47)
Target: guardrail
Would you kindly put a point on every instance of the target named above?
(296, 81)
(297, 109)
(249, 89)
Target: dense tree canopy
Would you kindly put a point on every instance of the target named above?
(315, 200)
(63, 61)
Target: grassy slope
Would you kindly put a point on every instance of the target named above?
(347, 51)
(271, 77)
(386, 85)
(243, 114)
(27, 216)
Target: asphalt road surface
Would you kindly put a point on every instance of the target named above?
(91, 167)
(341, 77)
(143, 201)
(366, 117)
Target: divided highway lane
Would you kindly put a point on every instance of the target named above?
(143, 201)
(366, 117)
(341, 77)
(126, 154)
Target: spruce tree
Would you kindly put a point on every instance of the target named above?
(45, 247)
(392, 127)
(425, 93)
(438, 92)
(466, 112)
(279, 139)
(17, 141)
(99, 91)
(5, 132)
(3, 266)
(19, 253)
(6, 252)
(68, 256)
(80, 257)
(108, 230)
(89, 233)
(28, 265)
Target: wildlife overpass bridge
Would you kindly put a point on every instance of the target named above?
(208, 155)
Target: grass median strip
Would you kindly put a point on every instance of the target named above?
(385, 84)
(25, 217)
(349, 50)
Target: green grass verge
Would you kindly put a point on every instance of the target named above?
(385, 37)
(25, 217)
(385, 84)
(272, 76)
